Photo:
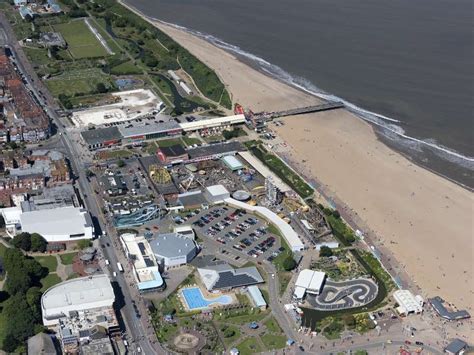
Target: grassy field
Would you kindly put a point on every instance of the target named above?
(169, 142)
(125, 68)
(37, 55)
(78, 82)
(273, 341)
(272, 325)
(49, 280)
(190, 140)
(249, 346)
(82, 43)
(66, 259)
(48, 261)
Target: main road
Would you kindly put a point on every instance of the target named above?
(139, 337)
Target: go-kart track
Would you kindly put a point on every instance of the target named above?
(344, 294)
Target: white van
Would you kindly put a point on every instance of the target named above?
(107, 262)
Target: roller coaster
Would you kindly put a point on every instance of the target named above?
(138, 217)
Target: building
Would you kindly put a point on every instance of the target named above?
(113, 184)
(173, 250)
(257, 297)
(52, 39)
(216, 194)
(145, 267)
(438, 304)
(308, 281)
(212, 123)
(61, 224)
(232, 162)
(407, 302)
(331, 245)
(214, 151)
(42, 344)
(139, 133)
(272, 192)
(220, 275)
(186, 231)
(456, 347)
(291, 237)
(191, 200)
(101, 138)
(72, 297)
(173, 154)
(11, 216)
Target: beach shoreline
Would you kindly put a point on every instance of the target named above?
(423, 219)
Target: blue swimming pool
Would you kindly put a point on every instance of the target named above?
(196, 300)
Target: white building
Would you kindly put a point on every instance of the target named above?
(173, 249)
(212, 123)
(407, 302)
(145, 267)
(60, 224)
(11, 216)
(216, 194)
(74, 296)
(186, 231)
(308, 281)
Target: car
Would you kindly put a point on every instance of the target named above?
(419, 343)
(114, 274)
(102, 246)
(301, 348)
(407, 342)
(108, 244)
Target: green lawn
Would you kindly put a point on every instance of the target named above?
(78, 82)
(67, 259)
(168, 142)
(82, 43)
(249, 346)
(272, 325)
(48, 261)
(126, 68)
(190, 140)
(243, 319)
(231, 339)
(49, 280)
(37, 55)
(273, 341)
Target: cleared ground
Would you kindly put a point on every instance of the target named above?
(81, 41)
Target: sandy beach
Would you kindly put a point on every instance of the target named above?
(424, 220)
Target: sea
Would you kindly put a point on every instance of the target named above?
(405, 66)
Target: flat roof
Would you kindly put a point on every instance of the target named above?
(215, 149)
(217, 190)
(232, 162)
(148, 128)
(264, 171)
(101, 135)
(438, 304)
(192, 198)
(310, 279)
(257, 296)
(171, 245)
(285, 229)
(407, 300)
(56, 221)
(175, 150)
(212, 122)
(82, 292)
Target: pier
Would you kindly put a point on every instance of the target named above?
(298, 111)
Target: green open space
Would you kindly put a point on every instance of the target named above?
(249, 346)
(67, 259)
(79, 82)
(48, 261)
(191, 140)
(272, 325)
(82, 43)
(273, 341)
(49, 281)
(282, 170)
(230, 333)
(169, 142)
(125, 68)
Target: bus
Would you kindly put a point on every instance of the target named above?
(119, 267)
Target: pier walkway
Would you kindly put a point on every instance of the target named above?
(299, 111)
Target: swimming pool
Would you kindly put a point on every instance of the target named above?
(195, 299)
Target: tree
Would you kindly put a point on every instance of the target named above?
(289, 263)
(21, 321)
(38, 243)
(228, 333)
(325, 251)
(120, 163)
(101, 88)
(22, 241)
(336, 214)
(33, 297)
(17, 282)
(349, 320)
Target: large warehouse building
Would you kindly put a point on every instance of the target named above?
(173, 250)
(67, 298)
(61, 224)
(212, 123)
(308, 281)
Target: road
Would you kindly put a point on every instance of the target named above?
(139, 338)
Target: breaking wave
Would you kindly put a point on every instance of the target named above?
(389, 127)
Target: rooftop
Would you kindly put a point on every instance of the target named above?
(78, 293)
(175, 150)
(222, 275)
(171, 244)
(148, 128)
(232, 162)
(218, 149)
(212, 122)
(191, 198)
(101, 135)
(310, 279)
(56, 221)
